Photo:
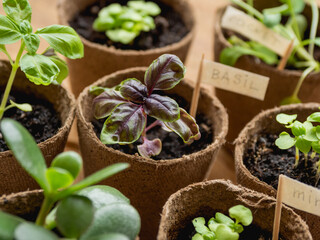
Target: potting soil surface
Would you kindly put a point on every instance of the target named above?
(42, 122)
(172, 144)
(266, 161)
(170, 28)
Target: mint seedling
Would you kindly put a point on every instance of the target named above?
(124, 23)
(127, 105)
(39, 68)
(221, 226)
(81, 212)
(294, 29)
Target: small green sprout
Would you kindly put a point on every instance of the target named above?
(75, 210)
(222, 227)
(306, 137)
(124, 23)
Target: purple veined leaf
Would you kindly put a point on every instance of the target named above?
(150, 148)
(105, 103)
(164, 73)
(133, 90)
(125, 124)
(162, 108)
(186, 127)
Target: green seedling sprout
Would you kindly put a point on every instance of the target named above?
(294, 29)
(45, 68)
(127, 105)
(306, 136)
(222, 227)
(75, 210)
(124, 23)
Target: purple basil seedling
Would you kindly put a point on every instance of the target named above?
(127, 105)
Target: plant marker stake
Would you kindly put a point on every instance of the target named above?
(196, 91)
(277, 215)
(285, 58)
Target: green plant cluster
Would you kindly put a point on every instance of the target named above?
(294, 28)
(222, 227)
(124, 23)
(306, 136)
(75, 210)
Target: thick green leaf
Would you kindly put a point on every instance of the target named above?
(102, 24)
(186, 127)
(225, 232)
(121, 35)
(285, 141)
(111, 236)
(147, 8)
(8, 224)
(162, 108)
(200, 225)
(150, 148)
(18, 10)
(285, 118)
(30, 231)
(106, 102)
(221, 218)
(101, 195)
(58, 178)
(74, 215)
(94, 179)
(271, 20)
(9, 31)
(63, 39)
(242, 214)
(70, 161)
(133, 90)
(63, 68)
(26, 107)
(32, 42)
(303, 145)
(39, 69)
(197, 236)
(314, 117)
(316, 146)
(116, 218)
(164, 73)
(298, 128)
(25, 150)
(125, 125)
(311, 135)
(298, 6)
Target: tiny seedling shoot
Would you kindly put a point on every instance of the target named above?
(45, 68)
(75, 211)
(124, 23)
(222, 227)
(306, 137)
(127, 105)
(294, 28)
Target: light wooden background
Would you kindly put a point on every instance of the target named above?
(44, 13)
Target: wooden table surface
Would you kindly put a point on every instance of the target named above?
(44, 14)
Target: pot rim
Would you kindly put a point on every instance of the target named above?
(218, 140)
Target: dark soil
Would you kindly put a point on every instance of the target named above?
(172, 144)
(42, 122)
(266, 161)
(170, 27)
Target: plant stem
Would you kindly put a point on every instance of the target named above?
(248, 8)
(14, 69)
(314, 25)
(250, 3)
(44, 211)
(306, 159)
(297, 158)
(294, 20)
(313, 154)
(303, 76)
(152, 125)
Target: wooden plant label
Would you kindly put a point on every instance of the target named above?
(251, 28)
(234, 80)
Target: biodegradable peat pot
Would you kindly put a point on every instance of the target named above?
(13, 177)
(100, 60)
(206, 198)
(241, 109)
(148, 183)
(266, 122)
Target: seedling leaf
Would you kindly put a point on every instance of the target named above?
(303, 145)
(58, 178)
(133, 90)
(241, 214)
(285, 141)
(30, 231)
(150, 148)
(63, 68)
(285, 118)
(17, 10)
(23, 106)
(200, 225)
(70, 161)
(9, 31)
(224, 232)
(8, 225)
(314, 117)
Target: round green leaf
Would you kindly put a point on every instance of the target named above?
(285, 118)
(242, 214)
(298, 129)
(58, 178)
(121, 35)
(70, 161)
(29, 231)
(221, 218)
(199, 224)
(303, 145)
(101, 195)
(8, 225)
(314, 117)
(224, 232)
(74, 215)
(116, 218)
(285, 141)
(18, 10)
(9, 31)
(111, 236)
(147, 8)
(197, 236)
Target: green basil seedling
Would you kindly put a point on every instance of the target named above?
(222, 227)
(82, 211)
(124, 23)
(127, 105)
(39, 68)
(287, 20)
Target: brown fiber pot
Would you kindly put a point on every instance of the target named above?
(100, 60)
(207, 198)
(148, 183)
(12, 177)
(241, 109)
(265, 122)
